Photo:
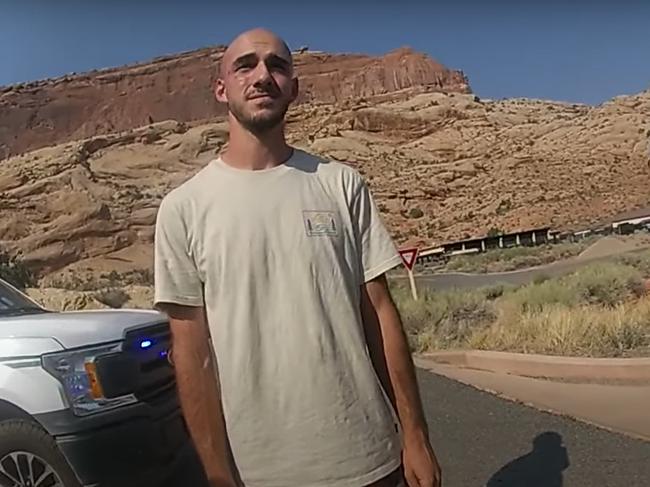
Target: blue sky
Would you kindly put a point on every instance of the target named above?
(582, 51)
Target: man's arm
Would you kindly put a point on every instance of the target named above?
(198, 388)
(389, 349)
(391, 355)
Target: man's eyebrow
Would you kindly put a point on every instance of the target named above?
(251, 56)
(244, 58)
(280, 59)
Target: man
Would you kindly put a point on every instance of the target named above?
(270, 264)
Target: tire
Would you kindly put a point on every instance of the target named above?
(24, 443)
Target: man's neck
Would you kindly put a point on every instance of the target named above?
(254, 152)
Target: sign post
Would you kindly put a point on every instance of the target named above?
(409, 256)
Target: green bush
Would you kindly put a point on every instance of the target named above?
(533, 297)
(494, 292)
(638, 260)
(540, 278)
(15, 272)
(606, 283)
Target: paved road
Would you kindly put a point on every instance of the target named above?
(517, 278)
(484, 440)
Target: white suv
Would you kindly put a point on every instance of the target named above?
(87, 398)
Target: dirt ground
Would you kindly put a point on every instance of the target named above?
(610, 245)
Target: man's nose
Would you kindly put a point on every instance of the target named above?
(262, 74)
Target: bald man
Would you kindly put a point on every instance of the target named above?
(292, 364)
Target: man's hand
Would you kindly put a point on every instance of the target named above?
(421, 468)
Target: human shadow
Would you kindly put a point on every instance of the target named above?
(542, 467)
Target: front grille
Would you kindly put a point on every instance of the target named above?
(149, 347)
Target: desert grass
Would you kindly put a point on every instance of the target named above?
(601, 310)
(640, 260)
(588, 331)
(443, 320)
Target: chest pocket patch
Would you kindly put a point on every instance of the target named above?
(320, 223)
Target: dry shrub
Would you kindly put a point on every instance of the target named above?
(442, 319)
(607, 284)
(533, 297)
(593, 331)
(77, 281)
(638, 260)
(600, 310)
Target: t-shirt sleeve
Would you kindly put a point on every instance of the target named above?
(176, 277)
(377, 249)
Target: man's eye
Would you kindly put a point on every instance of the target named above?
(244, 66)
(279, 66)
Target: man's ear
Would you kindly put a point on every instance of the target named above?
(220, 91)
(295, 89)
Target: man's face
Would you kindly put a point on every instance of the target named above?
(257, 81)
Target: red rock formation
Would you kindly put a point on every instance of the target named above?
(442, 168)
(44, 113)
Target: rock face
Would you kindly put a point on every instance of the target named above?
(441, 166)
(44, 113)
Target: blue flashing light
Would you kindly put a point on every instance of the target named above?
(146, 343)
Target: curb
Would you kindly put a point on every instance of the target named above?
(547, 366)
(610, 402)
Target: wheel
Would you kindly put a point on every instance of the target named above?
(29, 457)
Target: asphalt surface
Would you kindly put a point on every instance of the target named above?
(482, 440)
(515, 278)
(485, 441)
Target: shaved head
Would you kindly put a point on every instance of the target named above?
(246, 42)
(256, 79)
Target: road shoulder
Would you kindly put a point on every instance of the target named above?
(619, 408)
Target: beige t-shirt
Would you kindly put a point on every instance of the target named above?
(278, 257)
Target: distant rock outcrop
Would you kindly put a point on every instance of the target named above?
(43, 113)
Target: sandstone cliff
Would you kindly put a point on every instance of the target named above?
(442, 167)
(442, 163)
(44, 113)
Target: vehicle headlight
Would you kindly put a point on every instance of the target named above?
(79, 373)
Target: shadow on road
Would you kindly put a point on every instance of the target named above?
(542, 467)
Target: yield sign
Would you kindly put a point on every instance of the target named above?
(409, 256)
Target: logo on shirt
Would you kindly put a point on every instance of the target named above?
(320, 223)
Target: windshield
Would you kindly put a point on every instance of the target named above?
(13, 302)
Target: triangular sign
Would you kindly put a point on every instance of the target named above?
(409, 256)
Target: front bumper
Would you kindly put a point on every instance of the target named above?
(133, 445)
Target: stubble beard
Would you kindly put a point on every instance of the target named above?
(261, 124)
